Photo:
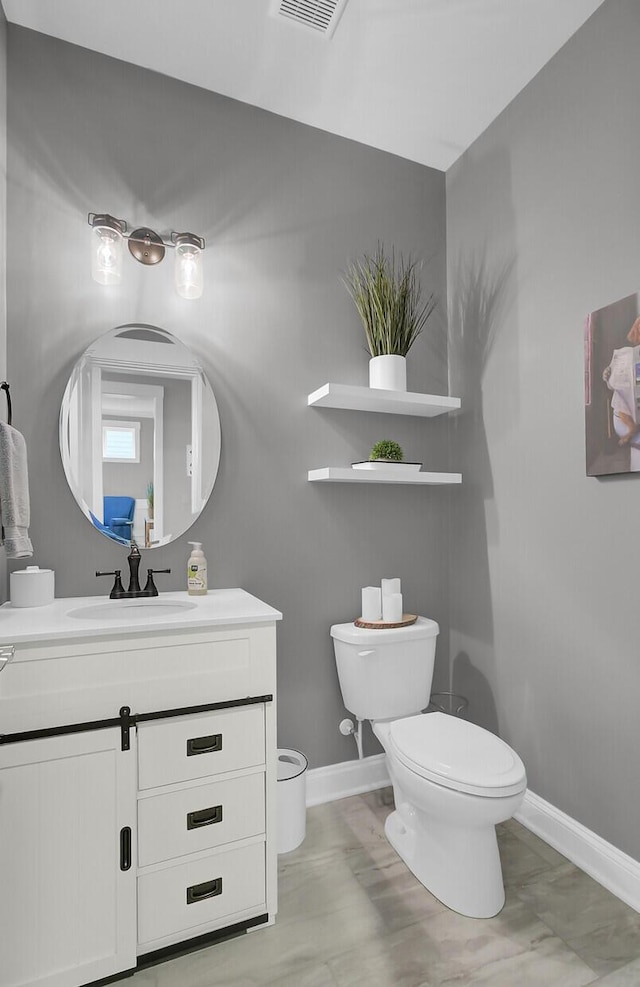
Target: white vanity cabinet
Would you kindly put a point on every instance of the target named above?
(137, 785)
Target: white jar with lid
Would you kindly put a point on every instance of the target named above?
(32, 587)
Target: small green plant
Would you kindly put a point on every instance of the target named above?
(387, 450)
(150, 495)
(387, 296)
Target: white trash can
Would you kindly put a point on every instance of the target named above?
(292, 804)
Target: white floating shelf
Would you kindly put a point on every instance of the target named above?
(356, 398)
(345, 474)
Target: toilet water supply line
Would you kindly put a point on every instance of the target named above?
(347, 728)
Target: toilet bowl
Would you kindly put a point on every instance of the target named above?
(453, 781)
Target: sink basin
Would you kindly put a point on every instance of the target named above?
(131, 610)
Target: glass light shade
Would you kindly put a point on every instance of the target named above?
(188, 270)
(106, 258)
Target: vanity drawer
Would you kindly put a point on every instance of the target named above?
(201, 818)
(183, 748)
(201, 892)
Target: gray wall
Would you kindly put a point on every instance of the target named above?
(542, 228)
(283, 208)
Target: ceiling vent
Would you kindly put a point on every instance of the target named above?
(320, 15)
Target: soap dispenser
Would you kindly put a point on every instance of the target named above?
(197, 571)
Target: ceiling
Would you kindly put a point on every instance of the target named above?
(419, 78)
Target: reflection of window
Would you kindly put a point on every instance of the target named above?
(121, 442)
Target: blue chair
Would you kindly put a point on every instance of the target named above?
(118, 516)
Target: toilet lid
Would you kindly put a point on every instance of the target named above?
(456, 754)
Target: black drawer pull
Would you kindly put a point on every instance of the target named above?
(125, 848)
(204, 817)
(204, 745)
(200, 892)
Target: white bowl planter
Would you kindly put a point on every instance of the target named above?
(388, 372)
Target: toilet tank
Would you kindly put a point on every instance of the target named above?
(385, 673)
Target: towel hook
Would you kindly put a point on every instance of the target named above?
(5, 387)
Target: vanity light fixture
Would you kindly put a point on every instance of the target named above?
(147, 247)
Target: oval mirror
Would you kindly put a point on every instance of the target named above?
(139, 436)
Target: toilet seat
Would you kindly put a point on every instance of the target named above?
(457, 754)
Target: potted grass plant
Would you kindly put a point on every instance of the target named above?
(388, 297)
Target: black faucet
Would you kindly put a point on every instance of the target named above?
(118, 591)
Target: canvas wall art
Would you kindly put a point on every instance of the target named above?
(612, 388)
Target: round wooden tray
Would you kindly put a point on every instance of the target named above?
(381, 625)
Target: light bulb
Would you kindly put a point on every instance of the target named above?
(106, 266)
(188, 269)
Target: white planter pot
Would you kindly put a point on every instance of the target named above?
(388, 372)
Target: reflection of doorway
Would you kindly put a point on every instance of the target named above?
(123, 400)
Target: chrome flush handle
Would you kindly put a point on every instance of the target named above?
(7, 651)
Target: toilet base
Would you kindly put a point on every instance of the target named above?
(461, 868)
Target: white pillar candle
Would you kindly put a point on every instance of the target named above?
(371, 603)
(391, 586)
(392, 608)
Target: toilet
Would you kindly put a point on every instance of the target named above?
(452, 780)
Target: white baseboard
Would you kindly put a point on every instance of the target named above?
(339, 781)
(609, 866)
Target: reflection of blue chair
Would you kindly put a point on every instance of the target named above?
(107, 531)
(118, 516)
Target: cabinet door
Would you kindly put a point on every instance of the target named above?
(67, 906)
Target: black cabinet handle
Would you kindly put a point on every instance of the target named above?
(200, 892)
(204, 817)
(125, 848)
(204, 745)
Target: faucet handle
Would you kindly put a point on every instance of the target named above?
(150, 588)
(117, 590)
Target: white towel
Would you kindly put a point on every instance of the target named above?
(14, 493)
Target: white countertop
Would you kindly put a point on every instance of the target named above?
(219, 607)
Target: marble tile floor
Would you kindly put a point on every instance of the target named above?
(352, 915)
